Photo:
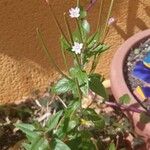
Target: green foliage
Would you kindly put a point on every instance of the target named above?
(125, 99)
(144, 118)
(75, 127)
(96, 85)
(112, 146)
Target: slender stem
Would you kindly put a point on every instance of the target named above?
(77, 59)
(123, 107)
(57, 23)
(78, 3)
(99, 15)
(79, 28)
(107, 18)
(63, 103)
(79, 90)
(104, 32)
(93, 64)
(95, 144)
(50, 58)
(68, 28)
(64, 58)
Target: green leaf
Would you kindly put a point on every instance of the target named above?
(73, 106)
(85, 26)
(82, 78)
(125, 99)
(83, 13)
(57, 144)
(144, 118)
(93, 39)
(64, 85)
(96, 85)
(53, 120)
(76, 36)
(40, 143)
(26, 146)
(28, 129)
(112, 146)
(64, 44)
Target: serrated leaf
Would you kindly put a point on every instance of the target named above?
(125, 99)
(82, 78)
(96, 85)
(28, 129)
(53, 121)
(40, 143)
(57, 144)
(64, 85)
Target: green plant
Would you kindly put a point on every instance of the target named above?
(76, 127)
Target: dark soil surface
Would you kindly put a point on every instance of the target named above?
(136, 54)
(26, 112)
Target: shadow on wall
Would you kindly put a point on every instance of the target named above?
(133, 19)
(19, 20)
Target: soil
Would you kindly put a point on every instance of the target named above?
(25, 112)
(136, 54)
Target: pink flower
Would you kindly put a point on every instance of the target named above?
(111, 21)
(77, 47)
(74, 12)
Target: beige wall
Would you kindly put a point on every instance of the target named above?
(24, 67)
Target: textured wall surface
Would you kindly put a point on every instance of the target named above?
(23, 65)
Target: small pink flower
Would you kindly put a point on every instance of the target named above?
(74, 12)
(77, 47)
(111, 21)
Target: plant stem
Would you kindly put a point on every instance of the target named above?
(107, 18)
(79, 91)
(99, 15)
(68, 28)
(65, 60)
(50, 58)
(123, 107)
(79, 28)
(104, 32)
(78, 3)
(57, 23)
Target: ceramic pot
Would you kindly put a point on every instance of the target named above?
(119, 86)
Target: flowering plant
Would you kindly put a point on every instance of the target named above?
(77, 126)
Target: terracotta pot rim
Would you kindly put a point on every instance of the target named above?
(118, 84)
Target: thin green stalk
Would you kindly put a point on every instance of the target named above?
(99, 15)
(78, 3)
(77, 59)
(79, 28)
(104, 33)
(79, 90)
(57, 23)
(50, 58)
(107, 18)
(68, 28)
(65, 60)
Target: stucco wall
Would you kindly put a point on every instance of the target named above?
(24, 67)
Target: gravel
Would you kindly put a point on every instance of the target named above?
(136, 54)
